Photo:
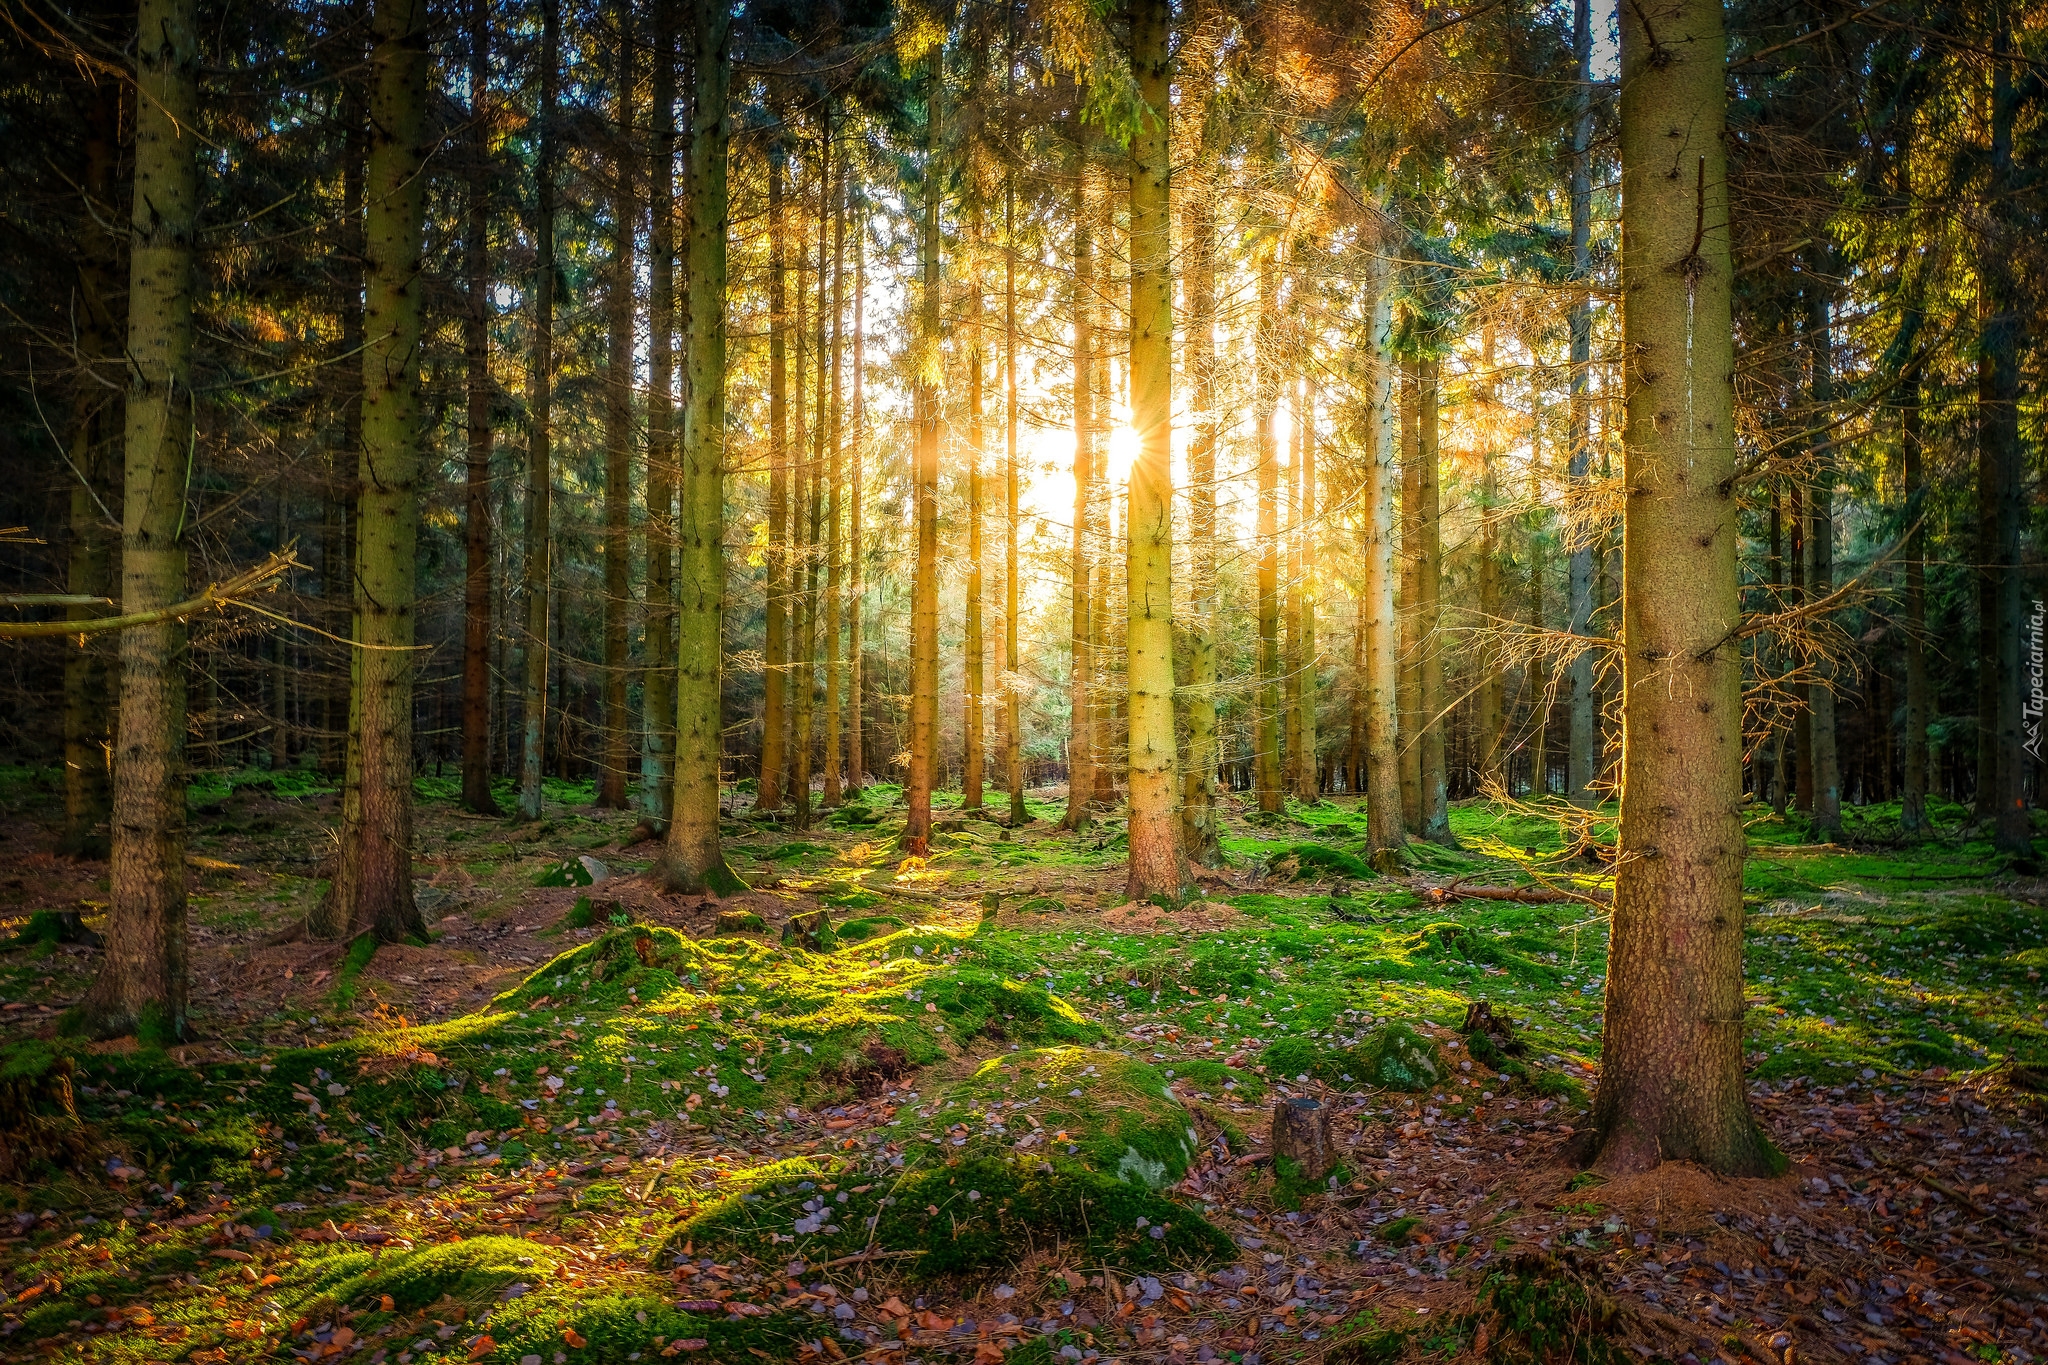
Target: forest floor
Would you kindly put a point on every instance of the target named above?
(991, 1110)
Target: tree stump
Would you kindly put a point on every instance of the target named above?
(1301, 1133)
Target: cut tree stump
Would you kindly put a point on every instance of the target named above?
(1301, 1133)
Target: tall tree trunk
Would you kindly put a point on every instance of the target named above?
(373, 881)
(1198, 779)
(1265, 399)
(1385, 834)
(476, 347)
(1671, 1084)
(657, 685)
(143, 981)
(1913, 819)
(2001, 472)
(1535, 684)
(1290, 604)
(1408, 684)
(1827, 768)
(1583, 744)
(768, 793)
(1080, 724)
(924, 611)
(834, 551)
(1802, 719)
(692, 859)
(1308, 782)
(803, 678)
(616, 751)
(973, 713)
(1492, 693)
(1429, 564)
(88, 705)
(338, 548)
(856, 754)
(1013, 725)
(1158, 864)
(538, 572)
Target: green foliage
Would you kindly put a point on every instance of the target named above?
(616, 1327)
(568, 872)
(1393, 1056)
(1544, 1310)
(1317, 862)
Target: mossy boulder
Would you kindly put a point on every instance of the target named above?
(870, 926)
(1109, 1113)
(1391, 1057)
(985, 1214)
(472, 1272)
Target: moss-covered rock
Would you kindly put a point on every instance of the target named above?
(1392, 1057)
(1318, 862)
(1112, 1114)
(616, 1328)
(985, 1214)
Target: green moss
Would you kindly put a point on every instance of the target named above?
(615, 1327)
(472, 1272)
(1393, 1056)
(860, 930)
(1318, 862)
(1544, 1310)
(1118, 1115)
(985, 1214)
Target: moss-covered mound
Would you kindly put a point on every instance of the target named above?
(611, 1329)
(985, 1214)
(1391, 1057)
(1112, 1114)
(472, 1272)
(1319, 862)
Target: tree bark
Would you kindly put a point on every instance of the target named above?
(924, 611)
(1429, 560)
(692, 859)
(834, 551)
(1583, 743)
(768, 792)
(1158, 866)
(372, 889)
(617, 748)
(537, 574)
(657, 685)
(1385, 833)
(1080, 725)
(1264, 402)
(1913, 820)
(1408, 684)
(803, 678)
(973, 713)
(143, 982)
(1492, 691)
(1013, 724)
(1820, 577)
(1198, 778)
(1671, 1084)
(476, 521)
(856, 754)
(1290, 604)
(1308, 780)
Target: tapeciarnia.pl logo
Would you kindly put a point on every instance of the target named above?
(2037, 699)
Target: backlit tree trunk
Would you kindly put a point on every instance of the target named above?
(1485, 645)
(692, 859)
(143, 980)
(1080, 726)
(373, 882)
(803, 677)
(1408, 686)
(1429, 562)
(1671, 1084)
(657, 686)
(973, 712)
(1198, 779)
(1820, 566)
(1158, 866)
(539, 550)
(1013, 726)
(856, 755)
(924, 488)
(1385, 833)
(1266, 386)
(1583, 760)
(1307, 780)
(1913, 819)
(833, 549)
(768, 794)
(476, 517)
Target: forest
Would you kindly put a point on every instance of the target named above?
(1086, 681)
